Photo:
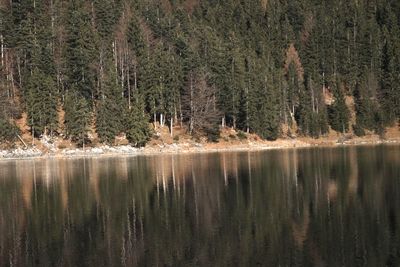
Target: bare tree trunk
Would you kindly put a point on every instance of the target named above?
(247, 113)
(33, 133)
(191, 122)
(180, 114)
(135, 78)
(171, 125)
(175, 115)
(19, 72)
(52, 26)
(12, 83)
(129, 86)
(122, 67)
(8, 78)
(115, 60)
(2, 49)
(312, 98)
(155, 120)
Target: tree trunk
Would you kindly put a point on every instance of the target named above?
(135, 78)
(171, 126)
(19, 72)
(129, 87)
(180, 114)
(2, 50)
(115, 60)
(155, 120)
(191, 122)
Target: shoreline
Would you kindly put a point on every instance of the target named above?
(186, 148)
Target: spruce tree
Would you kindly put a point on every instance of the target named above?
(77, 117)
(8, 131)
(269, 111)
(364, 109)
(80, 51)
(390, 80)
(110, 110)
(264, 104)
(136, 124)
(41, 103)
(173, 87)
(339, 112)
(304, 115)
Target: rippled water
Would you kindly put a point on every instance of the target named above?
(309, 207)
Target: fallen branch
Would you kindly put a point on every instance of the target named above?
(20, 138)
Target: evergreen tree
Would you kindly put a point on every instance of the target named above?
(110, 110)
(173, 87)
(339, 112)
(137, 127)
(364, 109)
(41, 103)
(305, 117)
(269, 111)
(152, 80)
(80, 51)
(77, 117)
(311, 113)
(390, 82)
(8, 131)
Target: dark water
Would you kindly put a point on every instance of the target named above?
(310, 207)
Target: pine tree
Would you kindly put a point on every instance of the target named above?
(339, 112)
(305, 117)
(390, 82)
(152, 80)
(41, 103)
(77, 117)
(269, 111)
(364, 109)
(136, 39)
(80, 51)
(173, 87)
(235, 84)
(110, 110)
(311, 113)
(8, 131)
(107, 13)
(137, 127)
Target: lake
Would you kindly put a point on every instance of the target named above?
(305, 207)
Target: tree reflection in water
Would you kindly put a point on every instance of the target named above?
(309, 207)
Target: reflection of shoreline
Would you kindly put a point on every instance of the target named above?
(207, 148)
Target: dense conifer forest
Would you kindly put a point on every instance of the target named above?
(255, 65)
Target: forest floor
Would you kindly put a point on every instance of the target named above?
(181, 143)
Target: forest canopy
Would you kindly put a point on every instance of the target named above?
(247, 64)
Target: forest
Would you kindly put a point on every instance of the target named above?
(257, 66)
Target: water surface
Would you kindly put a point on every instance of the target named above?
(307, 207)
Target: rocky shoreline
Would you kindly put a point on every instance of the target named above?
(183, 148)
